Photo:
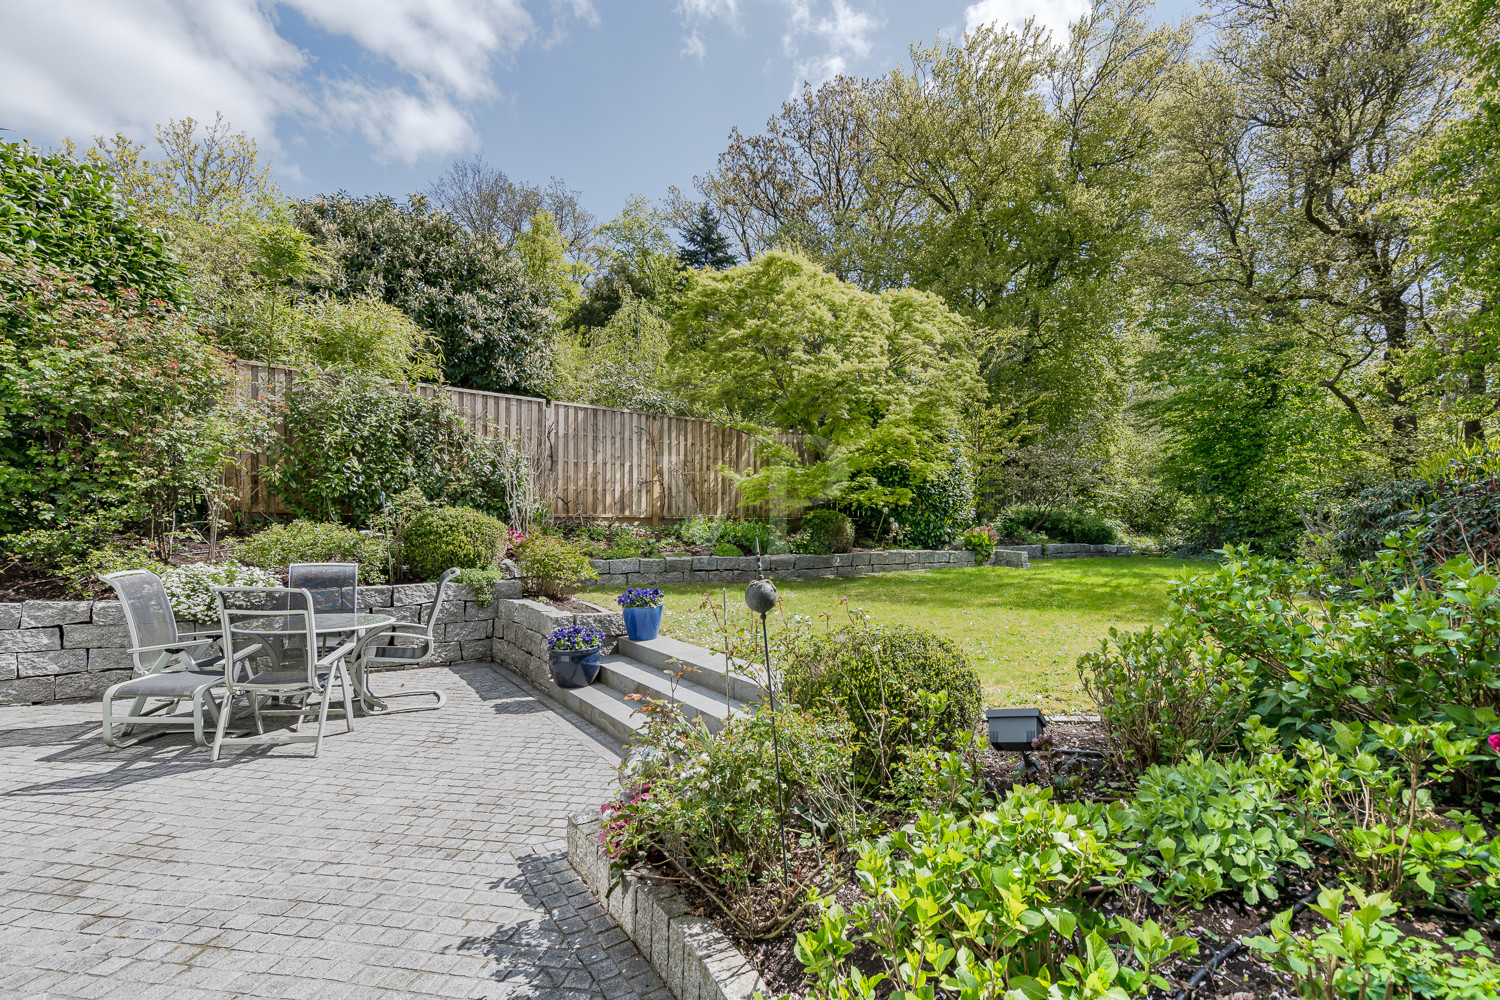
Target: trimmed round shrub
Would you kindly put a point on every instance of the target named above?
(882, 678)
(829, 530)
(448, 537)
(727, 549)
(313, 541)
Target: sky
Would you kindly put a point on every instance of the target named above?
(615, 97)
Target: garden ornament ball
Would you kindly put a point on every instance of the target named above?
(760, 596)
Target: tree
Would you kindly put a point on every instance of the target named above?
(494, 324)
(64, 214)
(704, 244)
(488, 202)
(543, 256)
(637, 259)
(871, 381)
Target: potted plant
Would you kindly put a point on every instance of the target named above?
(641, 607)
(574, 654)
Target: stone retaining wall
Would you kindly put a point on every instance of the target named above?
(741, 569)
(521, 629)
(69, 650)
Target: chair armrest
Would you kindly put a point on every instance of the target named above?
(397, 630)
(168, 647)
(338, 654)
(216, 633)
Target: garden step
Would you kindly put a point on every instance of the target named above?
(604, 707)
(628, 676)
(708, 666)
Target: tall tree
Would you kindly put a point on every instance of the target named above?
(488, 202)
(704, 244)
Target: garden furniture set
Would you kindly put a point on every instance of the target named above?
(279, 652)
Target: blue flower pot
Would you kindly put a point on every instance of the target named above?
(575, 668)
(642, 623)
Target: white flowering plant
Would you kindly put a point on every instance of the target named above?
(189, 587)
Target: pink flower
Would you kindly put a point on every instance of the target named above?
(1494, 742)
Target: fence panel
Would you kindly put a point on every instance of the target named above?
(593, 461)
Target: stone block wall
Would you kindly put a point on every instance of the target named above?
(1069, 550)
(521, 629)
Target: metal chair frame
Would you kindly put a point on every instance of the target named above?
(366, 654)
(297, 690)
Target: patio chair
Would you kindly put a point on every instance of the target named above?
(172, 666)
(334, 588)
(276, 627)
(421, 643)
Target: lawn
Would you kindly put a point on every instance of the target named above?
(1025, 629)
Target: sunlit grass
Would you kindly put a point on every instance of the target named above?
(1025, 629)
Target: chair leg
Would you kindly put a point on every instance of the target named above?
(322, 719)
(225, 714)
(260, 728)
(348, 697)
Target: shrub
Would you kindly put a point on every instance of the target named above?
(940, 504)
(744, 535)
(828, 530)
(1064, 526)
(631, 543)
(727, 549)
(1455, 511)
(448, 537)
(704, 807)
(993, 904)
(310, 541)
(188, 587)
(553, 567)
(881, 678)
(1209, 825)
(1164, 693)
(981, 542)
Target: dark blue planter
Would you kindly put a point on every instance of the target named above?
(575, 668)
(642, 623)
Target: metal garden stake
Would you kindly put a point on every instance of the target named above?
(760, 597)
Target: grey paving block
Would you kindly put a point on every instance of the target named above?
(54, 661)
(30, 640)
(87, 636)
(36, 614)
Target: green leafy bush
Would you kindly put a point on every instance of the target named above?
(880, 677)
(626, 542)
(743, 535)
(828, 531)
(1063, 526)
(311, 541)
(940, 504)
(447, 537)
(1208, 825)
(1164, 693)
(1454, 511)
(981, 542)
(704, 806)
(553, 567)
(1358, 954)
(727, 549)
(80, 553)
(988, 905)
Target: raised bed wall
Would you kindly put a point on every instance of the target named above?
(741, 569)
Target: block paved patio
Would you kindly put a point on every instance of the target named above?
(420, 855)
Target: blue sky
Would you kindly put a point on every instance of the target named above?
(614, 97)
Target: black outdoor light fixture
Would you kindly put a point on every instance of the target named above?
(760, 597)
(1015, 729)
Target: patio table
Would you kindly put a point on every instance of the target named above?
(274, 628)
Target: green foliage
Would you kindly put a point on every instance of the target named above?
(280, 545)
(353, 442)
(1359, 955)
(1207, 826)
(986, 905)
(482, 581)
(705, 807)
(981, 542)
(826, 531)
(727, 549)
(880, 677)
(626, 542)
(704, 244)
(190, 587)
(108, 404)
(85, 549)
(621, 363)
(924, 511)
(444, 537)
(1164, 693)
(492, 321)
(1065, 526)
(553, 567)
(55, 212)
(871, 380)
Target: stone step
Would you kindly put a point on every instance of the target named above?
(627, 676)
(604, 706)
(741, 683)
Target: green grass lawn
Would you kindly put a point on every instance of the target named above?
(1025, 629)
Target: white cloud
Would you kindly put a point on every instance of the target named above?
(1049, 15)
(820, 40)
(86, 67)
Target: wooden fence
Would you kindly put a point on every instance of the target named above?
(592, 461)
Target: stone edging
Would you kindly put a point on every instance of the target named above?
(741, 569)
(692, 956)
